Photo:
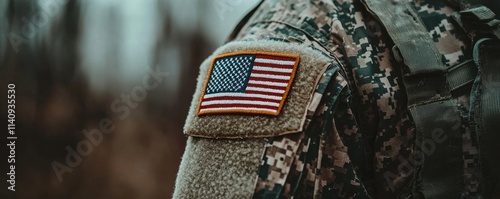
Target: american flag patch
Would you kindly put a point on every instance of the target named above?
(248, 82)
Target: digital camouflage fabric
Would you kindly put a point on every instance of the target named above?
(359, 141)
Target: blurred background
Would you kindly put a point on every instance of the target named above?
(76, 63)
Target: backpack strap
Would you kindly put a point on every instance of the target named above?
(466, 4)
(410, 35)
(461, 74)
(477, 19)
(485, 113)
(484, 29)
(438, 133)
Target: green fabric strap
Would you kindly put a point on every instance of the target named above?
(461, 74)
(477, 19)
(466, 4)
(429, 101)
(485, 113)
(410, 35)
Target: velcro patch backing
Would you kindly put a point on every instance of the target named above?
(229, 71)
(254, 82)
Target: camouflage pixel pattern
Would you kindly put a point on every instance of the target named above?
(470, 150)
(361, 133)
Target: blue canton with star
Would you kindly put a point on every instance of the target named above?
(230, 74)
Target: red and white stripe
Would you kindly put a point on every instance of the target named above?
(269, 79)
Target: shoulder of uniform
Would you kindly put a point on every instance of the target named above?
(308, 22)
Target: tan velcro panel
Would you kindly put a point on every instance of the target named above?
(306, 67)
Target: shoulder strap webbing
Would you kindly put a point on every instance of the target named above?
(485, 113)
(479, 21)
(429, 101)
(410, 35)
(461, 74)
(466, 4)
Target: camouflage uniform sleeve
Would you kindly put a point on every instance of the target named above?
(356, 137)
(327, 158)
(245, 155)
(359, 142)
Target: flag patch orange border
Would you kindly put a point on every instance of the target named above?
(252, 82)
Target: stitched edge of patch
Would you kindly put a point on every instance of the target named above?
(235, 110)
